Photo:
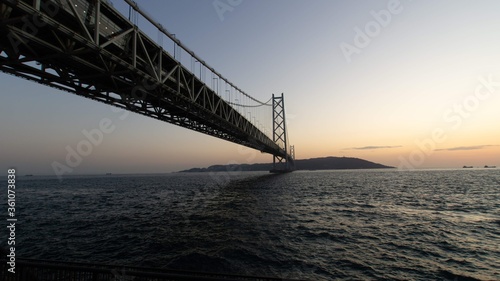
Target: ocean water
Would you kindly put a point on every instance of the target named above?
(324, 225)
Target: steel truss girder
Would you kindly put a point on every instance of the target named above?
(122, 67)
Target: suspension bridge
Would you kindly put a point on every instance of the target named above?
(88, 48)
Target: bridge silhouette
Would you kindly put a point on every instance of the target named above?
(88, 48)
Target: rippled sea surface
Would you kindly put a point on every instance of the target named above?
(328, 225)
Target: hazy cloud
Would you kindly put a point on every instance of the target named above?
(374, 147)
(461, 148)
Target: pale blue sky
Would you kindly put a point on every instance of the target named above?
(393, 93)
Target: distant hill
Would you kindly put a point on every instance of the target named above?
(326, 163)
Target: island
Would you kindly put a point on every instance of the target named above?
(324, 163)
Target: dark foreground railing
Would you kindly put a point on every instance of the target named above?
(40, 270)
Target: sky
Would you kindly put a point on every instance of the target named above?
(410, 84)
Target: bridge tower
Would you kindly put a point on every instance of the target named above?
(281, 164)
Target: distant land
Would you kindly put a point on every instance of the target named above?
(325, 163)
